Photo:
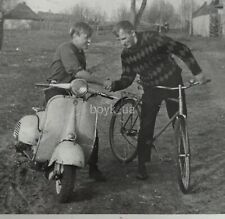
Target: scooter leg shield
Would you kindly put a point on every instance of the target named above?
(68, 153)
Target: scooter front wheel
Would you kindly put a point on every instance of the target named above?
(65, 183)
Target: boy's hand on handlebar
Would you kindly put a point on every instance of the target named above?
(53, 82)
(83, 74)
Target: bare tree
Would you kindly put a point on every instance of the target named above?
(82, 13)
(153, 13)
(160, 12)
(136, 15)
(78, 13)
(133, 14)
(186, 9)
(123, 13)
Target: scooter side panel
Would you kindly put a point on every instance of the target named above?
(60, 114)
(85, 126)
(26, 130)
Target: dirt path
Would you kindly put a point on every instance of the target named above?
(122, 193)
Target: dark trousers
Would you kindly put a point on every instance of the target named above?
(49, 93)
(151, 102)
(93, 160)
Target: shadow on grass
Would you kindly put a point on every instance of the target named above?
(85, 193)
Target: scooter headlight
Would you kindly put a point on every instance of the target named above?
(79, 87)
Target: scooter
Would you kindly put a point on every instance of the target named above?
(59, 139)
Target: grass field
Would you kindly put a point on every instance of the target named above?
(25, 60)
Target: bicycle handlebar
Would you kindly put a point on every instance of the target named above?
(191, 84)
(96, 92)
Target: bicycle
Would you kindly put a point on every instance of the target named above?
(129, 123)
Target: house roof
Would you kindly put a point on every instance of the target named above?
(22, 12)
(205, 9)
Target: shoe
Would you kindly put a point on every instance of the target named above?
(142, 176)
(96, 174)
(142, 172)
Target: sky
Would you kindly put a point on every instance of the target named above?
(108, 6)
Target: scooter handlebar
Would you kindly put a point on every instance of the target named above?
(42, 85)
(95, 92)
(66, 86)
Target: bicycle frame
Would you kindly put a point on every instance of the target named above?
(129, 128)
(178, 113)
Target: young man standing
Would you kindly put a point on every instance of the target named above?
(69, 62)
(149, 54)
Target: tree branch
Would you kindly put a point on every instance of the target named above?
(142, 8)
(138, 16)
(133, 6)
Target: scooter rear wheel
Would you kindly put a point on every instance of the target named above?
(65, 183)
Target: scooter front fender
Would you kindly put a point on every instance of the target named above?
(68, 153)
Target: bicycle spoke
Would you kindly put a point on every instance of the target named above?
(124, 130)
(183, 156)
(128, 141)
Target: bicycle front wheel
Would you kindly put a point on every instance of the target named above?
(123, 131)
(183, 154)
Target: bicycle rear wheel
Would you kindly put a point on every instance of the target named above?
(123, 131)
(183, 154)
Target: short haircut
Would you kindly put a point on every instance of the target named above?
(80, 27)
(125, 25)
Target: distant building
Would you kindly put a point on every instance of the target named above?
(207, 20)
(20, 17)
(222, 16)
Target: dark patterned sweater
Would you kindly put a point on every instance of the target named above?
(151, 58)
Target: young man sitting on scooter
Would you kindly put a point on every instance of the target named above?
(69, 62)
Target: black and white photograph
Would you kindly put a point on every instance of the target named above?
(112, 108)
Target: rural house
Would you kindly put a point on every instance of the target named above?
(208, 20)
(20, 17)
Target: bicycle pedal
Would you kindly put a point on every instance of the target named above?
(132, 133)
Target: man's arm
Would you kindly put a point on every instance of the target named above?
(89, 77)
(185, 54)
(182, 51)
(126, 79)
